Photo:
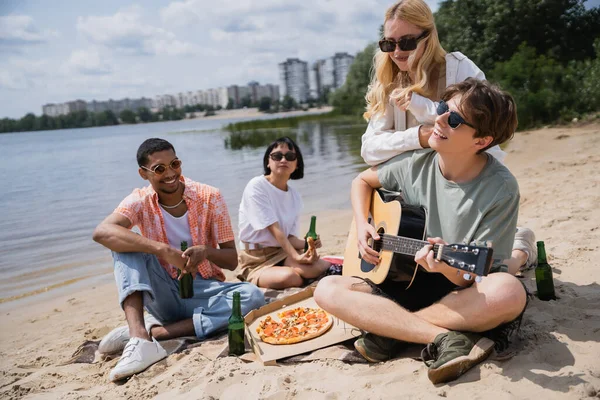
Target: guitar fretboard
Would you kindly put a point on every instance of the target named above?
(403, 245)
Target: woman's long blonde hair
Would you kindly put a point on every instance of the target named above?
(387, 80)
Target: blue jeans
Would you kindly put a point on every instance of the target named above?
(210, 307)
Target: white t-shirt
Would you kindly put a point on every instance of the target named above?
(264, 204)
(177, 229)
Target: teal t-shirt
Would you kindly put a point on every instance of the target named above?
(484, 209)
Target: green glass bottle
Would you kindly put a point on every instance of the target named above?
(312, 232)
(186, 283)
(543, 275)
(236, 328)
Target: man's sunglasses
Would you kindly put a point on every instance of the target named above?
(278, 156)
(454, 119)
(406, 43)
(161, 168)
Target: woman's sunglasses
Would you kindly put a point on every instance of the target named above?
(161, 168)
(278, 156)
(406, 43)
(454, 119)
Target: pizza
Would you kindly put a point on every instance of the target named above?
(295, 325)
(311, 246)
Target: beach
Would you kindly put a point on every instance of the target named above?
(556, 352)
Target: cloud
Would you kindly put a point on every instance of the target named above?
(19, 30)
(309, 28)
(87, 62)
(18, 74)
(125, 31)
(13, 80)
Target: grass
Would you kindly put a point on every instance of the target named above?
(256, 138)
(289, 122)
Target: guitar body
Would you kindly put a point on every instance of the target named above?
(391, 218)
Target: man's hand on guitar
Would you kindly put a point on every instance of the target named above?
(365, 232)
(426, 258)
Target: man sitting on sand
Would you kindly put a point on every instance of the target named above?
(469, 196)
(170, 210)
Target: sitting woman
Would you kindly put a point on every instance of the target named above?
(271, 255)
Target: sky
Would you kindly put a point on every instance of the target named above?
(57, 51)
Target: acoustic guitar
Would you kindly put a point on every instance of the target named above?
(402, 230)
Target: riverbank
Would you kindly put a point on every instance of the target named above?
(558, 173)
(254, 113)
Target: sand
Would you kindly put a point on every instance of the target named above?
(559, 350)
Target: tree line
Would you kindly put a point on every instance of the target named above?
(546, 53)
(86, 119)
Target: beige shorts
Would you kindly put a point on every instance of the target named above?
(253, 262)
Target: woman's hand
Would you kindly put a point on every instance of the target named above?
(309, 257)
(403, 102)
(425, 257)
(318, 243)
(366, 231)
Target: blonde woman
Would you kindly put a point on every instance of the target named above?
(411, 71)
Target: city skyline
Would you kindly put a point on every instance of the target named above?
(324, 75)
(116, 49)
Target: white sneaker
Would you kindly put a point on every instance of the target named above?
(525, 241)
(138, 355)
(116, 339)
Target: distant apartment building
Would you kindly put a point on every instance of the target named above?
(118, 106)
(329, 74)
(162, 101)
(209, 97)
(54, 110)
(341, 66)
(293, 78)
(254, 91)
(218, 97)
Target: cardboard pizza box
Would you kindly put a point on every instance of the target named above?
(268, 354)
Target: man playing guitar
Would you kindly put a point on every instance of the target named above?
(469, 197)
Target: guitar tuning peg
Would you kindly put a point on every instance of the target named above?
(467, 277)
(478, 279)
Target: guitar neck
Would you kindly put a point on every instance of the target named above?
(402, 245)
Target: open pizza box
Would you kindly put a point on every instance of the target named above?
(269, 353)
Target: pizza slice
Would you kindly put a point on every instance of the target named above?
(311, 246)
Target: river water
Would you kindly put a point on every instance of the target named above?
(58, 185)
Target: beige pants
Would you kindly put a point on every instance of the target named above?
(253, 262)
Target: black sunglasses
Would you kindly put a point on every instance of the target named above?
(454, 119)
(406, 43)
(161, 168)
(278, 156)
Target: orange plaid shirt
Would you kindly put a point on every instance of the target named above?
(207, 215)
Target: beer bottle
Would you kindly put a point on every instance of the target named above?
(543, 275)
(186, 283)
(312, 232)
(236, 328)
